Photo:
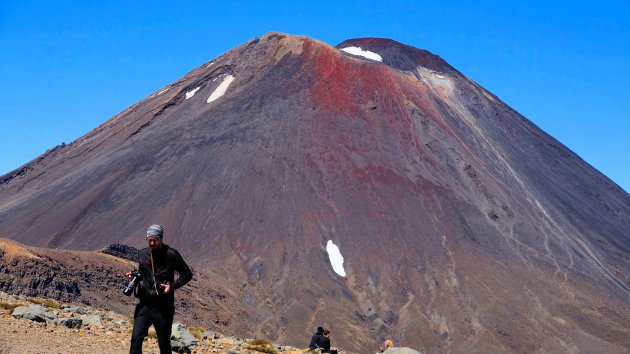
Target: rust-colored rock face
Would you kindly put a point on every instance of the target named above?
(463, 227)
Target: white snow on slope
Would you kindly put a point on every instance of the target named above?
(363, 53)
(220, 90)
(191, 93)
(336, 259)
(161, 92)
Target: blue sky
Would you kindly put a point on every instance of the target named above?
(68, 66)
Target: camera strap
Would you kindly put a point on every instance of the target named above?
(153, 274)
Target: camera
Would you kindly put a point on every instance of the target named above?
(135, 278)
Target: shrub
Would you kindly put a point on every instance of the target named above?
(44, 302)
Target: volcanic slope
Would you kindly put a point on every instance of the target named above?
(463, 226)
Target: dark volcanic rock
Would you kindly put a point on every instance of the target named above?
(72, 322)
(122, 251)
(463, 226)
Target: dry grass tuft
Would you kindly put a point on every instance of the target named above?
(197, 331)
(260, 342)
(10, 306)
(44, 302)
(261, 345)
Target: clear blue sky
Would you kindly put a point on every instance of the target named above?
(67, 66)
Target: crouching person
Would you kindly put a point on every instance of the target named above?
(324, 343)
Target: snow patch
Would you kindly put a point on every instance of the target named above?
(191, 93)
(364, 53)
(220, 90)
(336, 259)
(161, 92)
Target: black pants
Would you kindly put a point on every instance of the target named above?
(161, 317)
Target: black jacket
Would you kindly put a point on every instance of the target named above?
(315, 339)
(166, 261)
(324, 344)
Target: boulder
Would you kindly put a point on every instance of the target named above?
(181, 339)
(75, 309)
(31, 312)
(207, 335)
(92, 320)
(72, 322)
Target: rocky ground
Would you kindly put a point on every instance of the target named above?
(38, 325)
(56, 288)
(61, 301)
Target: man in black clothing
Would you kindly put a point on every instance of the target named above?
(316, 337)
(324, 343)
(157, 266)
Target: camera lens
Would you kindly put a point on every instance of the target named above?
(131, 285)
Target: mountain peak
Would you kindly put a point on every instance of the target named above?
(400, 56)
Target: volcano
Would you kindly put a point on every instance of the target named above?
(463, 227)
